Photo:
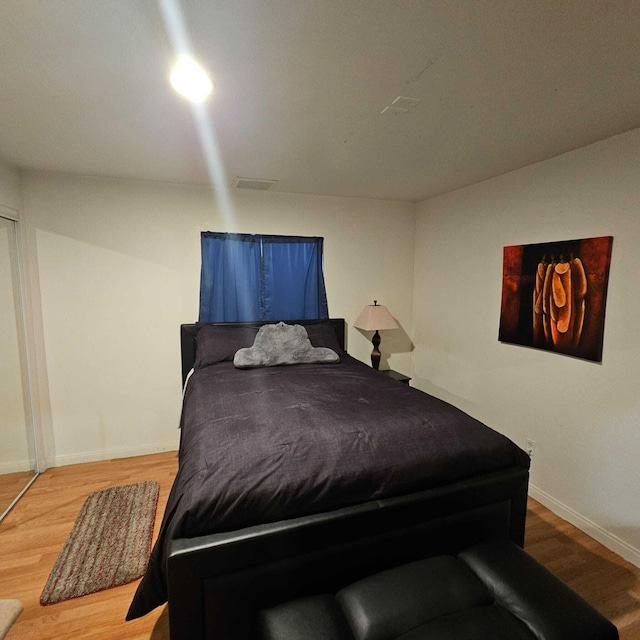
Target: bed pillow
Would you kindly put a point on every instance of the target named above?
(217, 344)
(281, 343)
(323, 334)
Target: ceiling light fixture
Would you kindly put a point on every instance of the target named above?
(190, 80)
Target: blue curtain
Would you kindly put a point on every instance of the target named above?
(229, 277)
(260, 277)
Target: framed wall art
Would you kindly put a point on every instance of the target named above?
(554, 296)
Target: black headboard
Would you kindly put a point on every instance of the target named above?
(188, 333)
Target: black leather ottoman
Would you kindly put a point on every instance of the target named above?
(491, 591)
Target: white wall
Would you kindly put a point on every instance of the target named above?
(118, 265)
(583, 416)
(114, 268)
(10, 191)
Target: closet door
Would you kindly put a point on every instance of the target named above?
(17, 456)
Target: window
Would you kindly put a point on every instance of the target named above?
(246, 277)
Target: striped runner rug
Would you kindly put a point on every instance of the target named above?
(109, 544)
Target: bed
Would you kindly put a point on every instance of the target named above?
(305, 476)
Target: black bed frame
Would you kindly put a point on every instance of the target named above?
(218, 583)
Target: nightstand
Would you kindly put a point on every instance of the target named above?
(396, 376)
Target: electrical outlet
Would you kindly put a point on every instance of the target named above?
(531, 447)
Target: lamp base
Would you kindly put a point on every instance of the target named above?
(375, 354)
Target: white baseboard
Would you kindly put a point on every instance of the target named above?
(604, 537)
(110, 454)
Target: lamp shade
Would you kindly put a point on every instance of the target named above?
(375, 317)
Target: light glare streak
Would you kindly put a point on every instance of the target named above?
(176, 30)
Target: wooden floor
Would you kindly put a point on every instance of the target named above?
(11, 484)
(33, 533)
(600, 576)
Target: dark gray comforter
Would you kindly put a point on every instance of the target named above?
(267, 444)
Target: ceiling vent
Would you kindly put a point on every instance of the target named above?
(401, 105)
(253, 183)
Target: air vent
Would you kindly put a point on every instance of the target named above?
(253, 183)
(402, 102)
(401, 105)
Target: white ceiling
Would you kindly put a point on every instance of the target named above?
(300, 85)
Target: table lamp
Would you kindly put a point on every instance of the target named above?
(375, 317)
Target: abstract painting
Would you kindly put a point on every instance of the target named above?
(554, 296)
